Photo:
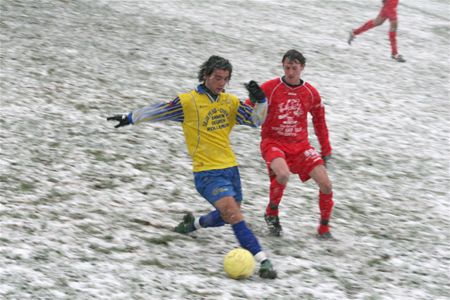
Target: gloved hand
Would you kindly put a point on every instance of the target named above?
(255, 93)
(122, 119)
(326, 158)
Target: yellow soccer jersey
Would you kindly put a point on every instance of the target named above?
(207, 126)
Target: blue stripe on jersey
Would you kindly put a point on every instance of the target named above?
(244, 115)
(171, 111)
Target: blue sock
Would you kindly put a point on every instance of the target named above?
(246, 237)
(213, 219)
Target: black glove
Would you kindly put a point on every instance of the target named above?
(255, 93)
(122, 119)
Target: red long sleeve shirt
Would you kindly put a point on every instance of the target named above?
(287, 120)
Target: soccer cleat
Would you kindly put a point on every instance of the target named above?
(187, 225)
(266, 270)
(323, 233)
(273, 223)
(398, 58)
(351, 37)
(327, 236)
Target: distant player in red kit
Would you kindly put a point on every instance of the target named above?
(388, 11)
(285, 145)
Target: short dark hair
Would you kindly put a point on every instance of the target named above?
(293, 55)
(214, 62)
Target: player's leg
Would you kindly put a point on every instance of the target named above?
(366, 26)
(229, 207)
(232, 214)
(279, 176)
(320, 176)
(212, 185)
(370, 24)
(310, 164)
(393, 39)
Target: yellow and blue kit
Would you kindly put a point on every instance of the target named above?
(207, 123)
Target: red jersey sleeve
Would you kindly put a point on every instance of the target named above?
(320, 126)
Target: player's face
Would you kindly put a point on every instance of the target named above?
(292, 71)
(217, 80)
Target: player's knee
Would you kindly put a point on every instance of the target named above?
(231, 215)
(378, 21)
(326, 187)
(283, 178)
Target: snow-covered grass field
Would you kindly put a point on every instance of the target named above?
(82, 202)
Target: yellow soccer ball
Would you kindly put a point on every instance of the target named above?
(239, 263)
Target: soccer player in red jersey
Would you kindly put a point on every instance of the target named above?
(285, 145)
(388, 11)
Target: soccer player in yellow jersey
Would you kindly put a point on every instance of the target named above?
(207, 115)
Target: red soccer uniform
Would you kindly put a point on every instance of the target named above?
(287, 120)
(389, 10)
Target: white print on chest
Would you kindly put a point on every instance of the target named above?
(289, 111)
(288, 116)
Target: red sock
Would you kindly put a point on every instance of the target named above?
(276, 192)
(363, 28)
(393, 39)
(326, 207)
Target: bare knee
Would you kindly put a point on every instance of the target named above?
(393, 26)
(281, 170)
(320, 176)
(326, 187)
(229, 210)
(378, 21)
(231, 216)
(283, 177)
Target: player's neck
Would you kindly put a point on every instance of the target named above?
(210, 94)
(298, 83)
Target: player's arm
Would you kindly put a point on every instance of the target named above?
(254, 113)
(251, 116)
(320, 125)
(171, 111)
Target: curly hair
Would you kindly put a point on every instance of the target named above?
(214, 62)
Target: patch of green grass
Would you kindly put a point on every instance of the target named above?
(108, 237)
(81, 107)
(125, 249)
(141, 167)
(4, 240)
(163, 240)
(152, 262)
(200, 294)
(100, 249)
(77, 216)
(176, 192)
(379, 260)
(356, 210)
(329, 271)
(27, 186)
(89, 229)
(104, 185)
(100, 155)
(140, 221)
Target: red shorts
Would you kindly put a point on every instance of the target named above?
(300, 158)
(388, 13)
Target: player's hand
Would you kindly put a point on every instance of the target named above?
(255, 93)
(326, 158)
(122, 119)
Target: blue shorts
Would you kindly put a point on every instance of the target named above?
(216, 184)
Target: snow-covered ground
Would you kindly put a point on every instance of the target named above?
(82, 202)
